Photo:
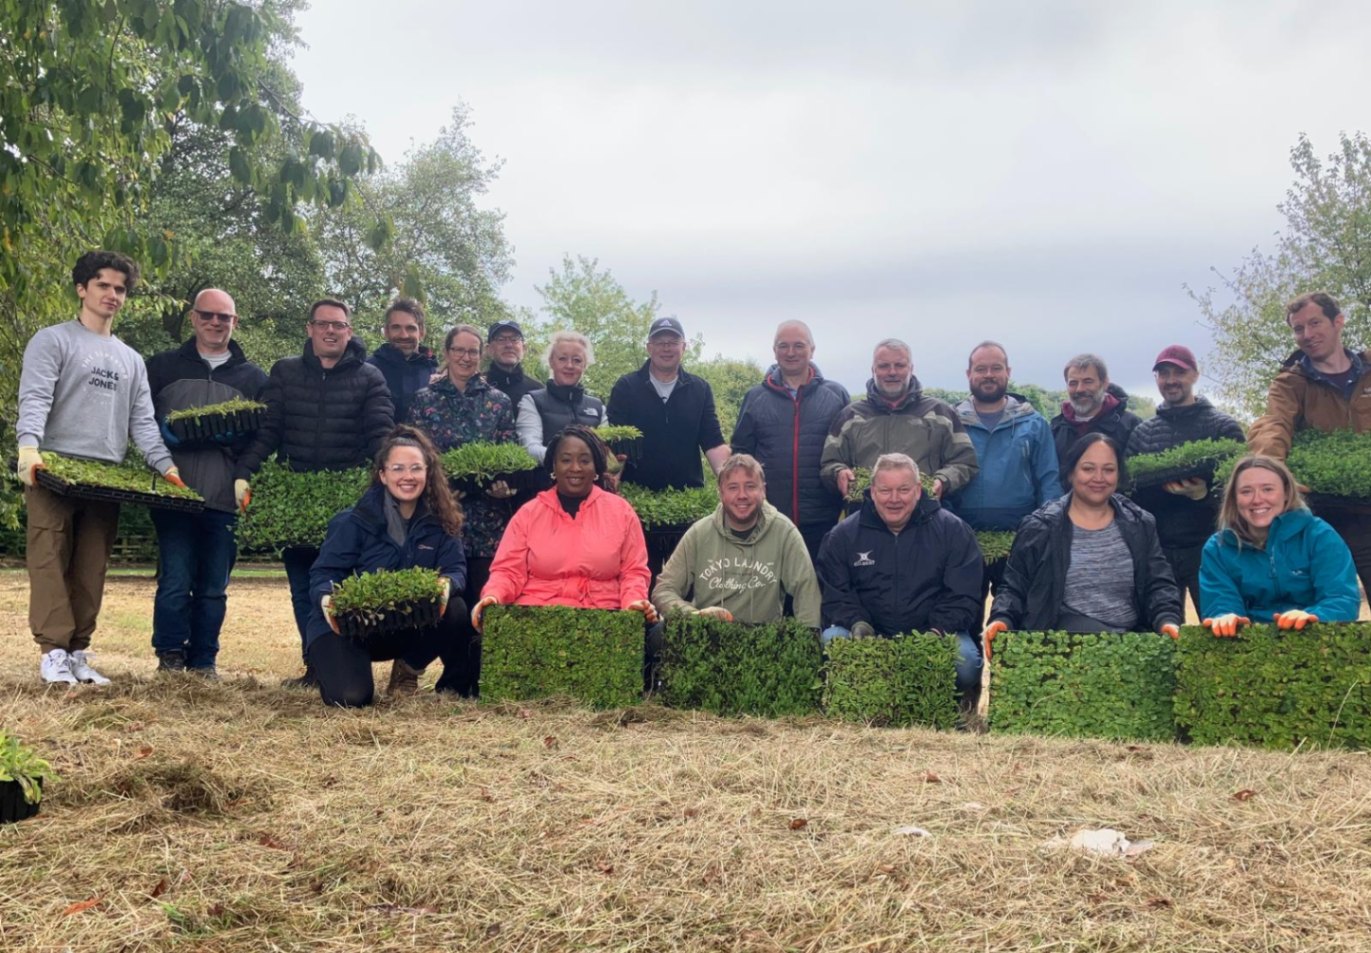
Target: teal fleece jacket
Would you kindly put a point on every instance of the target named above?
(748, 577)
(1304, 565)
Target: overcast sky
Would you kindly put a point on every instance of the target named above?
(1045, 173)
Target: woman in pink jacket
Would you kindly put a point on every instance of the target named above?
(575, 544)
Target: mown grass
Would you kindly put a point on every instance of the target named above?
(245, 816)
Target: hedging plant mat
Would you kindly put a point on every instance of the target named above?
(1105, 685)
(592, 655)
(733, 669)
(383, 602)
(1198, 458)
(473, 467)
(113, 483)
(292, 509)
(902, 681)
(1276, 689)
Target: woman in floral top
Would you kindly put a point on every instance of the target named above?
(464, 408)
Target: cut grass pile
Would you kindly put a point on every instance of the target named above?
(244, 816)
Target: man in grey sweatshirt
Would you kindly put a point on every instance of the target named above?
(82, 393)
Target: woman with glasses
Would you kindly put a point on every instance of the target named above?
(463, 408)
(563, 401)
(407, 518)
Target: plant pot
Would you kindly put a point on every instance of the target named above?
(365, 625)
(631, 448)
(13, 807)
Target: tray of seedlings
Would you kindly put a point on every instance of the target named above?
(292, 509)
(473, 467)
(114, 483)
(378, 604)
(623, 441)
(221, 423)
(1186, 461)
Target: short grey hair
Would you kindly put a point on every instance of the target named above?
(895, 461)
(794, 323)
(894, 344)
(1086, 360)
(567, 336)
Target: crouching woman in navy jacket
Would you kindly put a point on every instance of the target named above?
(406, 518)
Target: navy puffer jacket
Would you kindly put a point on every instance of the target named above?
(786, 434)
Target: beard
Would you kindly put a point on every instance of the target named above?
(1087, 406)
(993, 395)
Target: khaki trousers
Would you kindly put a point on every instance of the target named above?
(69, 544)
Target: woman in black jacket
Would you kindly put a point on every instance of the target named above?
(1089, 562)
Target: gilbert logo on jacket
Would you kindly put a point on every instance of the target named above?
(864, 559)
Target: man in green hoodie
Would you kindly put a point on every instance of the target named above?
(742, 561)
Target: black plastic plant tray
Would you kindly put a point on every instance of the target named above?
(1327, 501)
(631, 448)
(1203, 469)
(519, 481)
(402, 617)
(194, 430)
(663, 540)
(13, 807)
(105, 494)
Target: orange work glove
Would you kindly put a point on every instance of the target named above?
(242, 494)
(326, 604)
(1295, 619)
(988, 636)
(1171, 629)
(1227, 624)
(646, 608)
(479, 611)
(173, 476)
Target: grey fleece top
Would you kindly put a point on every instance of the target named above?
(84, 395)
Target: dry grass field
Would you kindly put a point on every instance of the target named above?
(244, 816)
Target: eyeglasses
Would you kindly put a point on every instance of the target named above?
(506, 339)
(400, 469)
(330, 325)
(665, 343)
(465, 351)
(210, 316)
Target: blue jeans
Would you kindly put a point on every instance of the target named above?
(195, 554)
(298, 562)
(968, 657)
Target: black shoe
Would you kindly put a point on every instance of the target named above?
(307, 680)
(208, 672)
(172, 661)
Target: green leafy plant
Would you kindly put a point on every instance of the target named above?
(221, 409)
(1105, 685)
(612, 433)
(370, 592)
(293, 509)
(995, 544)
(21, 765)
(126, 477)
(670, 507)
(1276, 689)
(861, 481)
(1337, 463)
(593, 655)
(902, 681)
(486, 462)
(733, 669)
(1196, 458)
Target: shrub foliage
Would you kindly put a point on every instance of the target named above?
(125, 477)
(1102, 685)
(293, 509)
(734, 669)
(592, 655)
(901, 681)
(1275, 689)
(1196, 458)
(670, 507)
(485, 462)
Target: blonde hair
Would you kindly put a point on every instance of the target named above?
(567, 336)
(1231, 519)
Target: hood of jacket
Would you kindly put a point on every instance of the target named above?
(1016, 406)
(775, 380)
(1115, 403)
(354, 353)
(884, 406)
(1284, 527)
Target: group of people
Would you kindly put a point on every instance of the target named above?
(1085, 557)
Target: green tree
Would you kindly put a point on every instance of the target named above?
(584, 298)
(730, 380)
(416, 229)
(1325, 246)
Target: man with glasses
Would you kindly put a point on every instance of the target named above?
(505, 347)
(674, 410)
(404, 360)
(196, 551)
(327, 409)
(783, 422)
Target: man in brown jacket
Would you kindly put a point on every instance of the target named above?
(1323, 386)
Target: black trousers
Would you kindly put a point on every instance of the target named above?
(461, 672)
(343, 665)
(1185, 566)
(1353, 524)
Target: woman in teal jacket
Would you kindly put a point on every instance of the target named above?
(1271, 558)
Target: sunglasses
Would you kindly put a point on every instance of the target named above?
(215, 316)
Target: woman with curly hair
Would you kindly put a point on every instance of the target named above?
(407, 518)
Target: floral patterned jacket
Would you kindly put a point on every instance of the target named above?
(451, 418)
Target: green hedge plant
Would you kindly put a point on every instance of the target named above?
(670, 508)
(129, 477)
(483, 463)
(1276, 689)
(734, 669)
(20, 766)
(592, 655)
(861, 482)
(1105, 685)
(1198, 458)
(1336, 464)
(995, 544)
(224, 408)
(293, 509)
(383, 601)
(902, 681)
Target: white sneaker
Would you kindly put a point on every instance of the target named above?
(82, 670)
(56, 668)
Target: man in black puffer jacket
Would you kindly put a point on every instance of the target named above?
(783, 422)
(327, 409)
(1185, 510)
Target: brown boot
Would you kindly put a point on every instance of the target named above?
(404, 680)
